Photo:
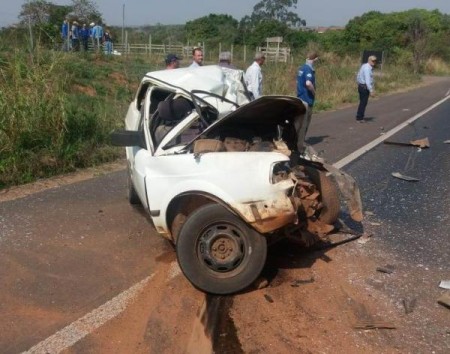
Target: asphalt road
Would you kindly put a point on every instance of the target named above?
(410, 221)
(67, 250)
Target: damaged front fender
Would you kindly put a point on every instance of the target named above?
(349, 190)
(268, 215)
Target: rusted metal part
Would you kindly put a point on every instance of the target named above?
(308, 203)
(268, 215)
(349, 190)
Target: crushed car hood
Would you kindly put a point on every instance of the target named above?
(224, 82)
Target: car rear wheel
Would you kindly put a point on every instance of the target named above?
(329, 195)
(133, 197)
(218, 252)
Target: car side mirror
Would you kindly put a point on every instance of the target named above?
(128, 138)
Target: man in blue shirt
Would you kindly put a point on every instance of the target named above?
(84, 34)
(365, 86)
(65, 35)
(306, 92)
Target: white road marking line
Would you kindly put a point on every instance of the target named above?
(448, 93)
(353, 156)
(85, 325)
(174, 271)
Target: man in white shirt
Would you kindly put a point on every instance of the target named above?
(254, 77)
(197, 57)
(365, 86)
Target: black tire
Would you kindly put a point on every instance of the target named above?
(329, 195)
(218, 252)
(133, 197)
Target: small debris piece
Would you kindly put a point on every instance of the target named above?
(447, 142)
(261, 283)
(444, 300)
(445, 284)
(406, 178)
(375, 223)
(422, 143)
(364, 238)
(373, 325)
(296, 283)
(388, 269)
(409, 305)
(268, 298)
(369, 213)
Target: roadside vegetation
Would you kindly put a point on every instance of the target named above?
(57, 109)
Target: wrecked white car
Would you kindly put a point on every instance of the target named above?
(220, 175)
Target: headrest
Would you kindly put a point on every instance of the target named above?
(174, 110)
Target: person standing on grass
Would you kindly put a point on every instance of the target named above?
(254, 77)
(65, 31)
(84, 35)
(366, 86)
(97, 35)
(306, 92)
(75, 33)
(107, 40)
(91, 34)
(197, 57)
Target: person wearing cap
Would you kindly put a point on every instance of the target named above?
(197, 57)
(107, 42)
(91, 34)
(365, 86)
(172, 62)
(75, 33)
(225, 60)
(254, 77)
(306, 92)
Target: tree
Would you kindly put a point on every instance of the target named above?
(35, 12)
(213, 28)
(277, 10)
(85, 11)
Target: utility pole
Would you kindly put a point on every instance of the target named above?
(29, 28)
(123, 24)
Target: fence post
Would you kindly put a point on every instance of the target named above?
(150, 44)
(126, 43)
(245, 53)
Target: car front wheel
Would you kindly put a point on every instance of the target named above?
(218, 252)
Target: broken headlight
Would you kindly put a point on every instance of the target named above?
(280, 171)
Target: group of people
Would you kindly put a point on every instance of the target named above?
(306, 80)
(75, 37)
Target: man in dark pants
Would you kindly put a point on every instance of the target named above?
(365, 86)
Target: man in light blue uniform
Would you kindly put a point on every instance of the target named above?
(97, 35)
(306, 92)
(365, 86)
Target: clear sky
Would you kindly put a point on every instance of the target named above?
(144, 12)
